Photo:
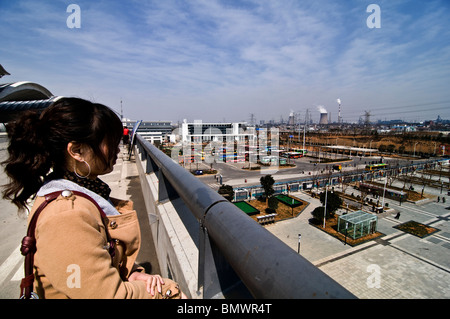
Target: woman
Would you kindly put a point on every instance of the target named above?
(84, 248)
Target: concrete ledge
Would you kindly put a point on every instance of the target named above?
(175, 245)
(422, 201)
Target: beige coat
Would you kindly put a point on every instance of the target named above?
(72, 258)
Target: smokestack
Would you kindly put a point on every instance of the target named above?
(291, 118)
(323, 115)
(339, 113)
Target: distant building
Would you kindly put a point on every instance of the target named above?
(403, 128)
(153, 131)
(215, 131)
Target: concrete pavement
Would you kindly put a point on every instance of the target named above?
(398, 265)
(125, 184)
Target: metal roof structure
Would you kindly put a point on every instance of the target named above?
(21, 96)
(23, 91)
(3, 71)
(10, 110)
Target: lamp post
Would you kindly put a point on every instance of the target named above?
(292, 207)
(325, 210)
(299, 237)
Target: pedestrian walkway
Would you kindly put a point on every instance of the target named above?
(125, 184)
(398, 265)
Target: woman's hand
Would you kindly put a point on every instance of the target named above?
(153, 281)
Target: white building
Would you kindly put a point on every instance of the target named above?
(199, 131)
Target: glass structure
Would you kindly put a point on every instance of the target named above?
(357, 224)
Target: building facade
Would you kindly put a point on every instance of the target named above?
(199, 131)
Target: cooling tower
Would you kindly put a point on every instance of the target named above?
(323, 118)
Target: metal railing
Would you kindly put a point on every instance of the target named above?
(234, 248)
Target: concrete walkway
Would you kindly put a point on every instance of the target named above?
(125, 184)
(398, 265)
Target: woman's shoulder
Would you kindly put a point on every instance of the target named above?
(65, 206)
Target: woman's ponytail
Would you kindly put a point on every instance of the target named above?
(38, 143)
(28, 162)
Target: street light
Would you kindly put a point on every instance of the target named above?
(325, 210)
(299, 237)
(384, 191)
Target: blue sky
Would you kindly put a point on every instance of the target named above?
(218, 60)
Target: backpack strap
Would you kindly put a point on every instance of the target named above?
(28, 247)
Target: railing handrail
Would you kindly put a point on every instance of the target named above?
(267, 266)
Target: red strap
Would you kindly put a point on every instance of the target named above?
(29, 247)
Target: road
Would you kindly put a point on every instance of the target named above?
(233, 173)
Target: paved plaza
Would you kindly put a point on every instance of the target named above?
(397, 265)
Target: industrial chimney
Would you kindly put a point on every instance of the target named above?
(323, 115)
(323, 118)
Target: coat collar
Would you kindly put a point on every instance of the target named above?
(64, 184)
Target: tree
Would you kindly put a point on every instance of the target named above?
(267, 184)
(333, 202)
(272, 205)
(390, 148)
(318, 214)
(226, 191)
(364, 191)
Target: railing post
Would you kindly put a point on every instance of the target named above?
(165, 189)
(150, 165)
(215, 274)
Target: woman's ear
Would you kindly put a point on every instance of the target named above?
(75, 151)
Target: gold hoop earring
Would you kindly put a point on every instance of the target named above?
(75, 170)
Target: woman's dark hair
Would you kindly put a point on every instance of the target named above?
(38, 143)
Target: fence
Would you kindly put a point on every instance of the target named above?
(253, 192)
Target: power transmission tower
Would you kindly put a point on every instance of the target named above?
(366, 118)
(252, 119)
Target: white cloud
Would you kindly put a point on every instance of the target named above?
(260, 56)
